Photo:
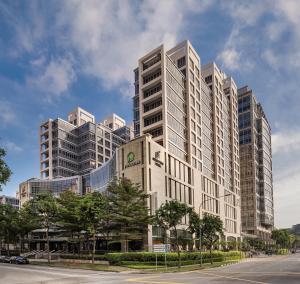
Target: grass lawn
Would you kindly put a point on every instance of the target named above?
(150, 268)
(141, 268)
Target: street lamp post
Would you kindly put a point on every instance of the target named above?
(200, 226)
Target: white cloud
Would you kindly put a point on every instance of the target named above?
(286, 201)
(55, 78)
(286, 168)
(27, 35)
(39, 61)
(245, 13)
(230, 58)
(110, 36)
(233, 57)
(7, 115)
(269, 56)
(105, 38)
(286, 141)
(11, 147)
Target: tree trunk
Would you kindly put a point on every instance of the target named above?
(210, 253)
(79, 245)
(88, 244)
(107, 237)
(8, 253)
(178, 250)
(20, 243)
(94, 246)
(48, 244)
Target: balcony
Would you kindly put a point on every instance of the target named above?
(151, 61)
(150, 77)
(153, 90)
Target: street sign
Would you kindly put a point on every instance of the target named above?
(161, 248)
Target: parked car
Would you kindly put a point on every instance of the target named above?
(19, 260)
(4, 259)
(12, 259)
(269, 252)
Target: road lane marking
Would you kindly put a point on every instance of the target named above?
(147, 280)
(232, 278)
(264, 272)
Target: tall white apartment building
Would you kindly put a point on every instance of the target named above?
(192, 113)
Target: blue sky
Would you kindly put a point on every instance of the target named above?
(56, 55)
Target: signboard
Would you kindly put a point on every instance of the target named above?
(131, 160)
(161, 248)
(130, 157)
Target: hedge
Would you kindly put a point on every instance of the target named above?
(282, 251)
(146, 257)
(83, 257)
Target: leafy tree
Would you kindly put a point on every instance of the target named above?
(5, 172)
(169, 217)
(44, 208)
(194, 225)
(128, 209)
(254, 243)
(281, 237)
(92, 209)
(292, 240)
(8, 224)
(70, 218)
(212, 230)
(26, 223)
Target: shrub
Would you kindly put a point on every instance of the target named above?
(150, 257)
(83, 257)
(282, 251)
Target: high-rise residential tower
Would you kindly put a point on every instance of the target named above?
(192, 112)
(79, 145)
(256, 166)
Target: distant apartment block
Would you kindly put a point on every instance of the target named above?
(9, 200)
(79, 145)
(256, 166)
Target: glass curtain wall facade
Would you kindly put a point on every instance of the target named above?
(256, 166)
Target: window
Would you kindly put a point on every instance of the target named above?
(192, 88)
(192, 77)
(151, 76)
(208, 79)
(151, 61)
(192, 64)
(190, 197)
(181, 62)
(156, 132)
(152, 119)
(152, 105)
(245, 136)
(244, 104)
(244, 120)
(152, 91)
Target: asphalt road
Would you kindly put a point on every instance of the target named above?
(275, 269)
